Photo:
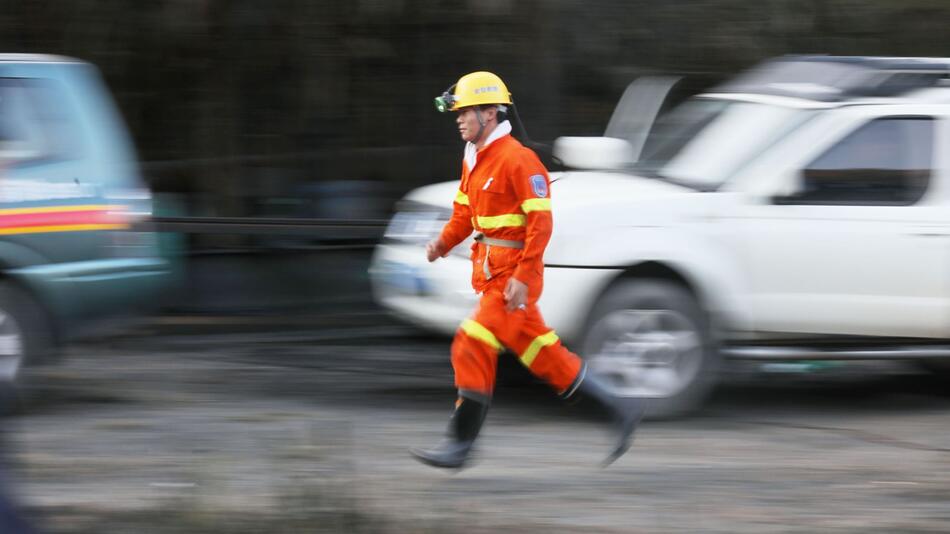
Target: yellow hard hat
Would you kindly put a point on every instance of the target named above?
(474, 89)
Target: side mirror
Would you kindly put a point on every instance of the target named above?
(594, 153)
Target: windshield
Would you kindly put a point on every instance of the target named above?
(704, 141)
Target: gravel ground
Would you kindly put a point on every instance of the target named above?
(279, 424)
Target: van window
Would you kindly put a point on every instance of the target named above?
(36, 122)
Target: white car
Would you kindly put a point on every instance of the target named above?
(798, 212)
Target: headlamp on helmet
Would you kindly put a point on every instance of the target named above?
(447, 101)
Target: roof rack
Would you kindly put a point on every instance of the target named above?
(835, 78)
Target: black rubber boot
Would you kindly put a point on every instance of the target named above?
(626, 412)
(453, 450)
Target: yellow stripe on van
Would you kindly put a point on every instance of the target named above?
(61, 228)
(60, 209)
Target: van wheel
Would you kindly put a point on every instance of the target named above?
(650, 339)
(24, 331)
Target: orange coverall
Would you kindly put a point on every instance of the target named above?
(506, 196)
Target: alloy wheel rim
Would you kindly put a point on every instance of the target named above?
(646, 353)
(11, 347)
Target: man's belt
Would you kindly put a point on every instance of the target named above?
(491, 241)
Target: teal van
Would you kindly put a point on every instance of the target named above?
(74, 242)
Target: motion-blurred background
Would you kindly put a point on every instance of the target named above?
(323, 110)
(261, 109)
(269, 393)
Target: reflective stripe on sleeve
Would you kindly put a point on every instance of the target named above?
(536, 204)
(545, 340)
(476, 331)
(500, 221)
(461, 198)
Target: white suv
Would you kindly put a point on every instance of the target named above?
(798, 212)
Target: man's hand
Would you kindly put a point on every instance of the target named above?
(516, 294)
(434, 250)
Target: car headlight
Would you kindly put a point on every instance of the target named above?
(416, 223)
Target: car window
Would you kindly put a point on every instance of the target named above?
(35, 121)
(885, 162)
(705, 141)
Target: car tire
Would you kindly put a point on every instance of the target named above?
(650, 338)
(25, 335)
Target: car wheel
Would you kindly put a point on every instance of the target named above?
(24, 333)
(651, 339)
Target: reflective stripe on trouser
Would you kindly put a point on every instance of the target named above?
(475, 354)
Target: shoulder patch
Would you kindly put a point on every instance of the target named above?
(539, 185)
